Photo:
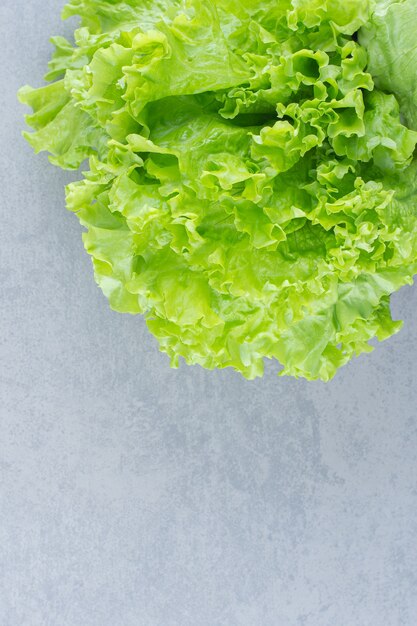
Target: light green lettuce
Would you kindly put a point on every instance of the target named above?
(251, 187)
(391, 42)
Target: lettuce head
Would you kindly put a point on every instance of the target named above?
(251, 186)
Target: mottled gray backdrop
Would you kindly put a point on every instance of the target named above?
(134, 495)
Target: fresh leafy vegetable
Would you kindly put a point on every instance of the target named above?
(251, 186)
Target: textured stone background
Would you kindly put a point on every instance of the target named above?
(133, 495)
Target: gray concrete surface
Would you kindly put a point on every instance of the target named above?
(133, 495)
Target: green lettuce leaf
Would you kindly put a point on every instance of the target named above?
(392, 48)
(251, 181)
